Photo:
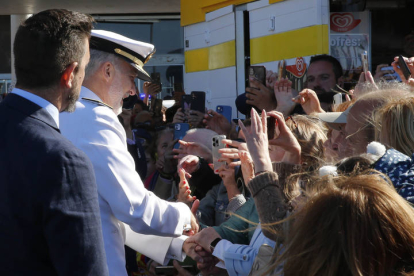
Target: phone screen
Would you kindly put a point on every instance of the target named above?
(404, 67)
(364, 59)
(258, 73)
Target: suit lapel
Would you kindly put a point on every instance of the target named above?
(30, 109)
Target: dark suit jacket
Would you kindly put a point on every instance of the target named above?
(49, 213)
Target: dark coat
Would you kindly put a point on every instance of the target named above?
(49, 213)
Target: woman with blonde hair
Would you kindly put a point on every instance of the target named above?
(356, 225)
(395, 125)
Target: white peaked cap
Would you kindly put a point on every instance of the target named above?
(137, 53)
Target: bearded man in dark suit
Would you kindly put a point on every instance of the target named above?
(49, 213)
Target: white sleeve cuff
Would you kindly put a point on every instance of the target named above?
(175, 251)
(219, 250)
(185, 216)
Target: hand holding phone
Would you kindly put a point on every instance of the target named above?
(156, 79)
(364, 60)
(217, 144)
(258, 73)
(404, 67)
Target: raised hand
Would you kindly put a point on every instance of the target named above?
(284, 95)
(365, 84)
(410, 64)
(227, 174)
(190, 163)
(194, 223)
(193, 148)
(195, 118)
(151, 88)
(184, 192)
(217, 122)
(286, 140)
(309, 101)
(247, 166)
(271, 78)
(179, 116)
(257, 142)
(380, 74)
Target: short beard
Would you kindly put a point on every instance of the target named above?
(72, 99)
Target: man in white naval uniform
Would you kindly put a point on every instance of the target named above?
(94, 128)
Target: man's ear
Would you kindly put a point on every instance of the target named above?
(68, 75)
(108, 71)
(341, 82)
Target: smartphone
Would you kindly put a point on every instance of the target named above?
(170, 270)
(180, 130)
(259, 73)
(271, 125)
(364, 60)
(198, 101)
(156, 78)
(404, 67)
(217, 144)
(156, 107)
(224, 110)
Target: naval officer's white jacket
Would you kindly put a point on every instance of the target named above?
(94, 128)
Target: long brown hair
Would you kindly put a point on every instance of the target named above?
(355, 225)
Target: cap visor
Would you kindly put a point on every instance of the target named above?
(142, 74)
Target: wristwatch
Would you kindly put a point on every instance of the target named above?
(214, 243)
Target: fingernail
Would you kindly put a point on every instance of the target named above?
(188, 191)
(184, 182)
(186, 187)
(216, 170)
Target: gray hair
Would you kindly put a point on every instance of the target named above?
(97, 58)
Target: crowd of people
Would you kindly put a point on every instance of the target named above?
(91, 188)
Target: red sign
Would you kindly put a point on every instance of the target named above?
(298, 69)
(343, 22)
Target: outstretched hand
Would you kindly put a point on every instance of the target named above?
(217, 122)
(284, 96)
(309, 101)
(410, 64)
(286, 140)
(193, 148)
(365, 84)
(257, 142)
(261, 96)
(184, 192)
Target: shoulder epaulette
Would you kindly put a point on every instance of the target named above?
(97, 102)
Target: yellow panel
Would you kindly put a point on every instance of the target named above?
(298, 43)
(218, 56)
(191, 12)
(194, 11)
(196, 60)
(275, 1)
(212, 5)
(222, 55)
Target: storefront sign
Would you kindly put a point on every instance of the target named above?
(349, 37)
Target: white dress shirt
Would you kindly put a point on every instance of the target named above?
(50, 108)
(95, 129)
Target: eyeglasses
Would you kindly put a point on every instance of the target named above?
(291, 118)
